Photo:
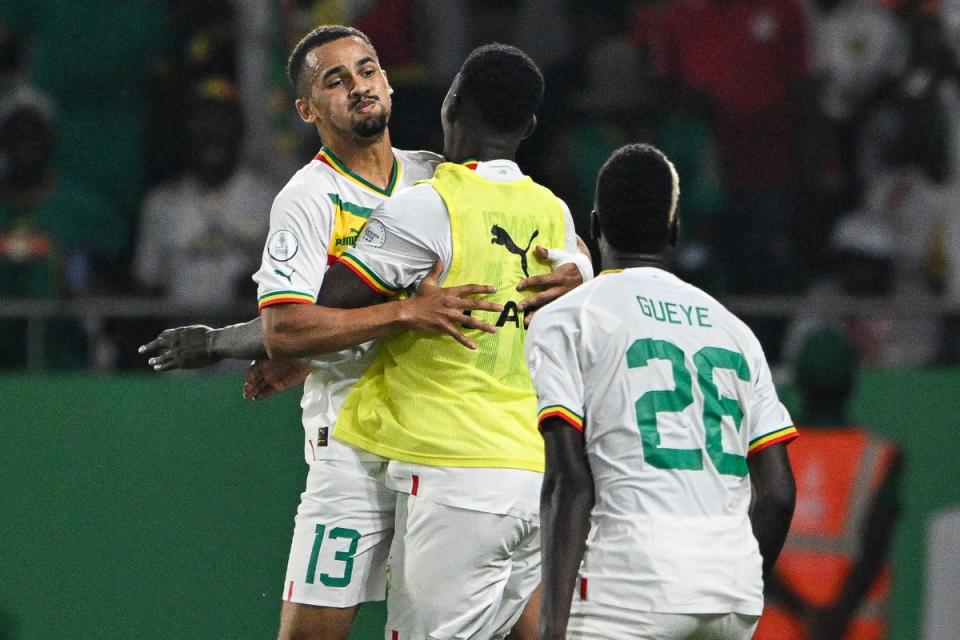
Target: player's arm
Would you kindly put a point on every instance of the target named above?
(833, 620)
(344, 317)
(196, 346)
(403, 244)
(774, 498)
(566, 499)
(556, 354)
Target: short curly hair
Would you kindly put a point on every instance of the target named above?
(636, 200)
(320, 36)
(504, 83)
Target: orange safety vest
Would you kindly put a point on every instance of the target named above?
(838, 473)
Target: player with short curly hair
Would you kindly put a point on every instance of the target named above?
(659, 412)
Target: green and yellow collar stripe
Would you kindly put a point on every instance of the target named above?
(349, 207)
(781, 435)
(328, 158)
(560, 411)
(283, 297)
(367, 275)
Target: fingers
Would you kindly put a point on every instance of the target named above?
(464, 290)
(153, 345)
(251, 379)
(539, 299)
(473, 323)
(543, 253)
(552, 279)
(469, 304)
(450, 330)
(527, 317)
(434, 276)
(163, 362)
(261, 391)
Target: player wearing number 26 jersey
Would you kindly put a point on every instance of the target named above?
(655, 396)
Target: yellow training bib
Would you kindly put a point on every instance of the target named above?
(426, 398)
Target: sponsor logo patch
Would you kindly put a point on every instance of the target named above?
(374, 234)
(283, 245)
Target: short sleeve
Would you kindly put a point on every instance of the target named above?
(402, 241)
(570, 230)
(769, 421)
(554, 363)
(295, 256)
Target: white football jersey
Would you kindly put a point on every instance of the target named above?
(672, 393)
(315, 218)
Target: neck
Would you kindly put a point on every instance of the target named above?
(373, 160)
(483, 146)
(616, 259)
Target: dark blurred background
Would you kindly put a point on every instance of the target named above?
(142, 141)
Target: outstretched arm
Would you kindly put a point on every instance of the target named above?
(775, 496)
(197, 346)
(343, 317)
(565, 503)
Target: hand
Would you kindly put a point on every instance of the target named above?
(435, 309)
(266, 378)
(187, 347)
(561, 280)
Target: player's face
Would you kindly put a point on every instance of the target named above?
(348, 93)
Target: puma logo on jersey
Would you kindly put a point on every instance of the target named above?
(501, 237)
(289, 276)
(349, 241)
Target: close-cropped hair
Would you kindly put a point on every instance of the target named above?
(505, 84)
(318, 37)
(636, 200)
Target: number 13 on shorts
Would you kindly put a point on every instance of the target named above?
(325, 541)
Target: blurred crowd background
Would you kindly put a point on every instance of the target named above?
(818, 144)
(141, 145)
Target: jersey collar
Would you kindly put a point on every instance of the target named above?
(327, 157)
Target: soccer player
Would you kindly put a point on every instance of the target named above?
(459, 427)
(658, 413)
(345, 520)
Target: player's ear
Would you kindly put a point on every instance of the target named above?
(595, 225)
(452, 107)
(531, 127)
(304, 110)
(389, 88)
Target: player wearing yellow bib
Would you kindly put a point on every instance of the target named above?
(458, 427)
(659, 413)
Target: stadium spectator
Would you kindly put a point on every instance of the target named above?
(832, 581)
(54, 233)
(96, 59)
(863, 251)
(614, 99)
(201, 235)
(755, 86)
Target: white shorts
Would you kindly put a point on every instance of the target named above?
(458, 573)
(341, 535)
(591, 620)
